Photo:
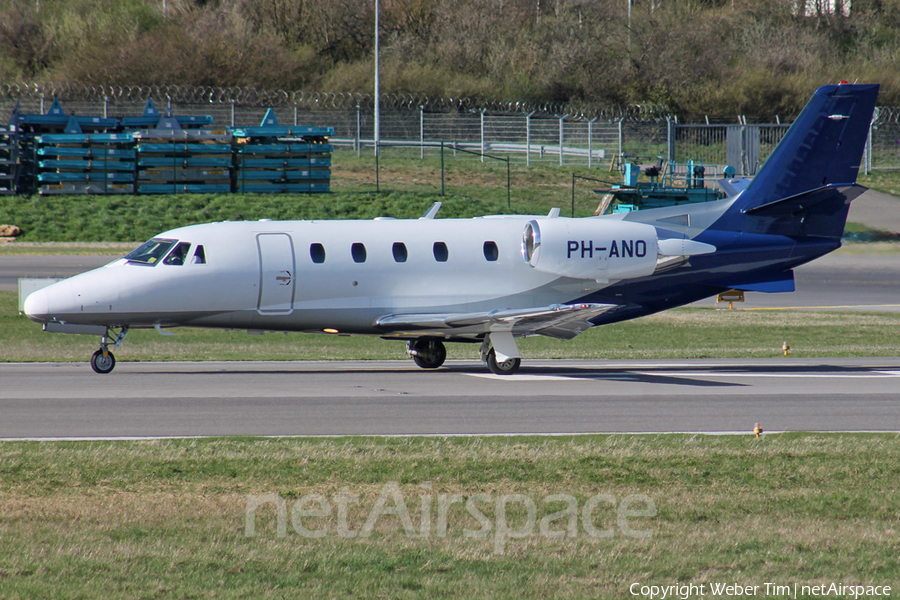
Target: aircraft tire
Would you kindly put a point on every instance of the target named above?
(507, 367)
(103, 364)
(429, 354)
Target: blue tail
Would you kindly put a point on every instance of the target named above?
(805, 187)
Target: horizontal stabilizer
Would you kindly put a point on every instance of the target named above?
(733, 187)
(820, 212)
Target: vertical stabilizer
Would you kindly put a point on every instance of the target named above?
(812, 172)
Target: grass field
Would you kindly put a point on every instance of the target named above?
(408, 187)
(447, 517)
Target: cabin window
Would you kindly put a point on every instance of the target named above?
(441, 254)
(400, 253)
(150, 252)
(491, 252)
(199, 255)
(317, 253)
(358, 252)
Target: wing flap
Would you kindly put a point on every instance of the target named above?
(558, 320)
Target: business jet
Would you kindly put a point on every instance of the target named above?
(487, 280)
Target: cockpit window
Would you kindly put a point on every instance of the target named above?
(199, 256)
(178, 255)
(151, 252)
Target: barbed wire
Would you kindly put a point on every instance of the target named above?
(248, 96)
(886, 114)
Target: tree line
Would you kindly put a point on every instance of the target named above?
(715, 57)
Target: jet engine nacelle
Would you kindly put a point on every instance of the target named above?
(591, 248)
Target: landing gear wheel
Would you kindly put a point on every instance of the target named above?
(429, 354)
(103, 364)
(507, 367)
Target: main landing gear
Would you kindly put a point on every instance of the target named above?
(428, 354)
(502, 367)
(103, 361)
(498, 351)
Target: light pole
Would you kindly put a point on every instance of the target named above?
(377, 86)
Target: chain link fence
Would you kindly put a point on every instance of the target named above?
(567, 135)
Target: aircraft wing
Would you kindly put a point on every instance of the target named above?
(563, 321)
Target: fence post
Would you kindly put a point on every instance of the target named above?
(590, 145)
(867, 156)
(562, 137)
(232, 113)
(105, 106)
(422, 131)
(296, 116)
(483, 145)
(528, 139)
(356, 142)
(670, 140)
(620, 137)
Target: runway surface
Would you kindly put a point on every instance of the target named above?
(397, 398)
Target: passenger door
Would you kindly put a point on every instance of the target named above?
(276, 273)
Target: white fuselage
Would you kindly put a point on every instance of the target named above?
(315, 276)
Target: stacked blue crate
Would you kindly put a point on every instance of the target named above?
(55, 121)
(174, 160)
(275, 159)
(9, 159)
(75, 162)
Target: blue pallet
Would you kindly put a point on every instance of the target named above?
(88, 165)
(273, 148)
(86, 138)
(87, 152)
(151, 122)
(62, 121)
(178, 148)
(170, 162)
(281, 175)
(183, 188)
(185, 175)
(280, 132)
(85, 177)
(273, 163)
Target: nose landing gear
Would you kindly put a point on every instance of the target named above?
(103, 361)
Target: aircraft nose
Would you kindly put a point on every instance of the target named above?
(54, 301)
(37, 306)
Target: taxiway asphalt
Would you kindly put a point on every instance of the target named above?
(397, 398)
